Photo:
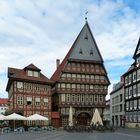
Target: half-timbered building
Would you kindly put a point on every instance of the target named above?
(132, 91)
(29, 92)
(81, 81)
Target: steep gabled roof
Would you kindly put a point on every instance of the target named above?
(137, 51)
(21, 75)
(80, 45)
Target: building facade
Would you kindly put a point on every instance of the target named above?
(106, 115)
(3, 105)
(29, 92)
(117, 105)
(132, 91)
(81, 81)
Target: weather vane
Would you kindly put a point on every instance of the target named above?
(86, 15)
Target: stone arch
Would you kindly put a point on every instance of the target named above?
(83, 118)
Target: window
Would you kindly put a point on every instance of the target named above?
(120, 97)
(91, 98)
(138, 74)
(131, 105)
(19, 84)
(73, 75)
(63, 111)
(83, 76)
(87, 77)
(30, 73)
(63, 85)
(101, 98)
(130, 78)
(97, 68)
(68, 86)
(58, 85)
(138, 94)
(19, 100)
(135, 104)
(127, 105)
(73, 97)
(91, 86)
(82, 86)
(78, 98)
(29, 100)
(67, 97)
(87, 87)
(68, 75)
(63, 75)
(126, 80)
(78, 86)
(95, 98)
(126, 93)
(82, 98)
(36, 74)
(130, 91)
(37, 101)
(96, 77)
(134, 76)
(86, 36)
(78, 76)
(138, 60)
(73, 86)
(92, 77)
(63, 97)
(134, 90)
(91, 52)
(80, 51)
(45, 101)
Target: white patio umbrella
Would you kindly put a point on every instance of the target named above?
(37, 117)
(2, 117)
(15, 117)
(70, 116)
(96, 118)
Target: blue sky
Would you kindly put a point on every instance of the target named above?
(40, 31)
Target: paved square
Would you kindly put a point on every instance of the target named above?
(120, 134)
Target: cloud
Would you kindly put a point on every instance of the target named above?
(34, 31)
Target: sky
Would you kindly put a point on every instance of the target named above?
(41, 31)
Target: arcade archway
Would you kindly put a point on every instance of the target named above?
(83, 118)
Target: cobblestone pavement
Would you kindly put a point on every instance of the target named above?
(120, 134)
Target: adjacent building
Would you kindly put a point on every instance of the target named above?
(106, 115)
(81, 82)
(117, 104)
(29, 91)
(3, 105)
(132, 91)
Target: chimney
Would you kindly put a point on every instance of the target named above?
(57, 62)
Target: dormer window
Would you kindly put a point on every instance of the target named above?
(36, 74)
(91, 52)
(80, 52)
(86, 36)
(33, 73)
(30, 73)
